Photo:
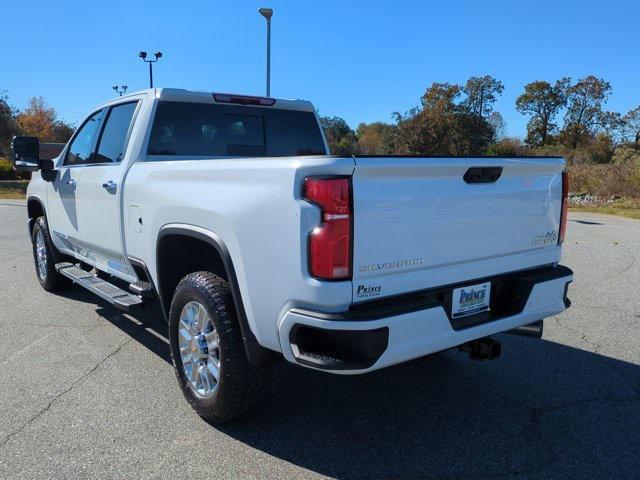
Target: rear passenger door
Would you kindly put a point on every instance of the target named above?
(99, 191)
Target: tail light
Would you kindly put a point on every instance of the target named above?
(564, 208)
(330, 241)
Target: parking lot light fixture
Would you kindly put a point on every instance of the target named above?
(120, 89)
(143, 55)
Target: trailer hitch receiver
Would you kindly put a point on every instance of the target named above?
(485, 348)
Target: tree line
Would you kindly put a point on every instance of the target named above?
(38, 119)
(565, 118)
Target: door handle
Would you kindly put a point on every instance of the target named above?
(71, 183)
(110, 186)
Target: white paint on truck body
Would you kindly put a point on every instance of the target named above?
(416, 225)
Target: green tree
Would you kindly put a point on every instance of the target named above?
(341, 138)
(376, 138)
(62, 131)
(507, 147)
(498, 124)
(8, 124)
(481, 95)
(543, 102)
(584, 117)
(427, 130)
(631, 127)
(442, 125)
(601, 148)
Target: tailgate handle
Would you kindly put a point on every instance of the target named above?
(482, 174)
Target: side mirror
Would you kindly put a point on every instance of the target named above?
(25, 153)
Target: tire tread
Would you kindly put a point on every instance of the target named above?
(54, 281)
(243, 386)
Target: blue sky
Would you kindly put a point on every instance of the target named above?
(358, 60)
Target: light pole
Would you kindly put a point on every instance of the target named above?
(268, 13)
(143, 56)
(120, 90)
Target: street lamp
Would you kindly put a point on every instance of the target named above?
(268, 13)
(143, 56)
(120, 90)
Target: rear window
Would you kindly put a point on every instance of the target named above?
(198, 129)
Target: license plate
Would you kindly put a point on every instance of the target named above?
(470, 299)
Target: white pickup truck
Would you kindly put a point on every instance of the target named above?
(229, 211)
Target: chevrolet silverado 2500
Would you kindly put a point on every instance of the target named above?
(229, 211)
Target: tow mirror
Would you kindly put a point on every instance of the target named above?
(25, 153)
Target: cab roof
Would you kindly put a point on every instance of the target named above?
(183, 95)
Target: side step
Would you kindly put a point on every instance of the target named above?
(142, 289)
(114, 295)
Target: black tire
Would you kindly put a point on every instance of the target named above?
(49, 279)
(241, 387)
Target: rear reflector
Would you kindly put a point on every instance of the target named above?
(243, 99)
(330, 241)
(564, 208)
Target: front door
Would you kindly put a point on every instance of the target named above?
(63, 199)
(99, 192)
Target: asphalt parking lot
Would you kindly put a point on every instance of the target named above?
(88, 392)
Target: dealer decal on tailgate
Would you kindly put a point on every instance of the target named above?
(367, 291)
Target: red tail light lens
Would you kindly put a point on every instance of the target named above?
(330, 242)
(565, 207)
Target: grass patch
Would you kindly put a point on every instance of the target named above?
(13, 189)
(628, 207)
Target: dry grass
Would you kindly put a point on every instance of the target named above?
(616, 185)
(13, 189)
(606, 181)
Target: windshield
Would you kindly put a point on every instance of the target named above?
(200, 129)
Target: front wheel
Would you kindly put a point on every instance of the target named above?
(44, 259)
(208, 352)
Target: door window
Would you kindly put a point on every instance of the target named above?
(82, 145)
(112, 143)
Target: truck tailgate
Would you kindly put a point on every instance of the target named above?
(418, 224)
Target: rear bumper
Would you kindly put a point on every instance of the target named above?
(394, 331)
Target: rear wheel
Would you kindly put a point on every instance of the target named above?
(208, 352)
(44, 259)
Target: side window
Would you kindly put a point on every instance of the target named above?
(111, 145)
(82, 145)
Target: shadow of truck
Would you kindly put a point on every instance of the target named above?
(542, 410)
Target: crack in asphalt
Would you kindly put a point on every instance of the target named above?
(596, 346)
(60, 395)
